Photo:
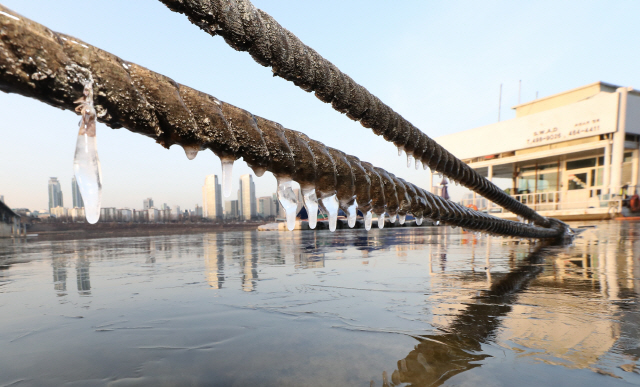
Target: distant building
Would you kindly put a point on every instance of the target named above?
(124, 215)
(247, 197)
(153, 215)
(175, 213)
(2, 198)
(77, 214)
(231, 209)
(212, 198)
(59, 212)
(55, 193)
(108, 214)
(198, 211)
(75, 193)
(148, 203)
(266, 207)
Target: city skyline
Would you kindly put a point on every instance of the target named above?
(443, 72)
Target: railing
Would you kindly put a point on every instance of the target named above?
(588, 198)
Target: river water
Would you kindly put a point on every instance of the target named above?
(403, 306)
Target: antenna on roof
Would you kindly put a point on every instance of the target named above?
(500, 102)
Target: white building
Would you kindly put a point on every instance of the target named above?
(247, 197)
(572, 155)
(212, 198)
(59, 212)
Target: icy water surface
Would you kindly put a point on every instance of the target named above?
(409, 306)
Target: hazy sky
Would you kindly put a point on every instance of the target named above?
(439, 64)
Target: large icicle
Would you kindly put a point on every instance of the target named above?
(401, 218)
(409, 159)
(392, 218)
(368, 219)
(86, 164)
(419, 221)
(352, 214)
(311, 204)
(288, 200)
(331, 204)
(227, 176)
(381, 221)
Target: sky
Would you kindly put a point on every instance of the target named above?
(439, 64)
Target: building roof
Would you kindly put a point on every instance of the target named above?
(563, 98)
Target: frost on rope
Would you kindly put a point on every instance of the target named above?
(381, 220)
(331, 204)
(86, 165)
(352, 213)
(191, 151)
(288, 200)
(368, 218)
(227, 176)
(311, 204)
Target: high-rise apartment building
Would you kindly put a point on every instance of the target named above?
(75, 193)
(212, 198)
(148, 203)
(55, 193)
(247, 197)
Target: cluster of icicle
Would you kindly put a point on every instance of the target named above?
(86, 165)
(47, 66)
(247, 28)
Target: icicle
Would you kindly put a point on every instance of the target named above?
(368, 219)
(381, 221)
(419, 221)
(331, 205)
(409, 159)
(191, 151)
(259, 171)
(392, 218)
(400, 149)
(311, 204)
(437, 222)
(425, 166)
(352, 213)
(401, 218)
(86, 164)
(227, 176)
(287, 199)
(418, 164)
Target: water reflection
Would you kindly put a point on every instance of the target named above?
(425, 307)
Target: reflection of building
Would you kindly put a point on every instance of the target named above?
(247, 197)
(569, 155)
(75, 193)
(82, 276)
(59, 265)
(214, 260)
(212, 198)
(55, 193)
(249, 263)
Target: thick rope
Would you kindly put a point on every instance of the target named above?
(246, 28)
(53, 68)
